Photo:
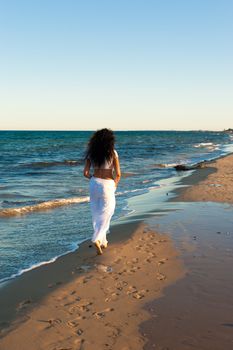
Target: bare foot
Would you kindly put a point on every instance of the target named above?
(104, 245)
(98, 248)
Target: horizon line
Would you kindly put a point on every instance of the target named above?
(116, 130)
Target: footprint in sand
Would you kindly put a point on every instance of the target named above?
(103, 268)
(150, 244)
(121, 284)
(81, 307)
(133, 261)
(74, 310)
(147, 251)
(86, 279)
(71, 302)
(110, 289)
(131, 289)
(134, 269)
(139, 247)
(160, 276)
(84, 305)
(51, 322)
(152, 255)
(74, 323)
(112, 297)
(122, 272)
(79, 331)
(162, 261)
(111, 294)
(112, 331)
(102, 314)
(65, 344)
(63, 348)
(141, 294)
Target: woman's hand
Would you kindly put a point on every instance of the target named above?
(86, 169)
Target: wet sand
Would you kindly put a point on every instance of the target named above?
(197, 311)
(85, 301)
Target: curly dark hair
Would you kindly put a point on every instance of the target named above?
(101, 147)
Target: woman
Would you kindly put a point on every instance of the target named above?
(102, 156)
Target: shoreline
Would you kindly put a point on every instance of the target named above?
(213, 183)
(36, 285)
(104, 293)
(48, 275)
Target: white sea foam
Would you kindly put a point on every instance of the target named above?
(208, 145)
(203, 144)
(42, 206)
(129, 191)
(56, 203)
(168, 165)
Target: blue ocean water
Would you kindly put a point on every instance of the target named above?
(44, 204)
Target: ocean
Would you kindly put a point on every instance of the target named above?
(44, 197)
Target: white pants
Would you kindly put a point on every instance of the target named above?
(102, 203)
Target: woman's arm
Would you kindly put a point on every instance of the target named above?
(86, 170)
(117, 170)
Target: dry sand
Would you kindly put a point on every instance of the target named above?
(217, 187)
(102, 306)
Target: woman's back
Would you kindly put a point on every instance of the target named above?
(107, 164)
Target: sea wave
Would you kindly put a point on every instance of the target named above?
(55, 203)
(203, 144)
(73, 247)
(53, 163)
(130, 191)
(8, 212)
(165, 165)
(209, 145)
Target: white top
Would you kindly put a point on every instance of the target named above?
(107, 165)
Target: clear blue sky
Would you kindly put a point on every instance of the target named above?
(125, 64)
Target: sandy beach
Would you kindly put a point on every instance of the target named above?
(101, 307)
(213, 183)
(151, 289)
